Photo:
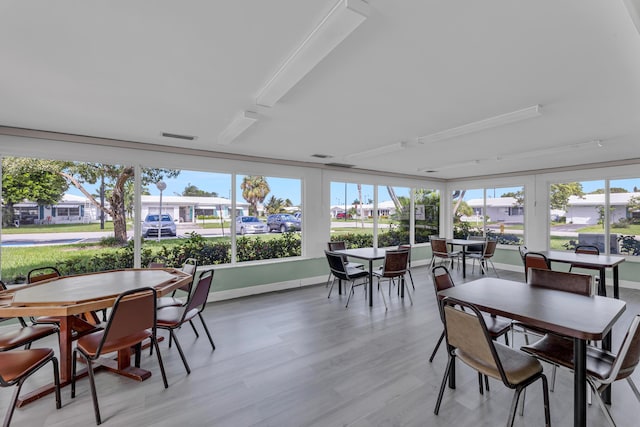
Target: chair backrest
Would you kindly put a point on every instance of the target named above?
(336, 265)
(42, 273)
(190, 266)
(581, 284)
(338, 246)
(587, 249)
(535, 260)
(198, 298)
(476, 248)
(629, 354)
(523, 251)
(467, 332)
(408, 248)
(441, 280)
(439, 247)
(395, 263)
(134, 311)
(489, 248)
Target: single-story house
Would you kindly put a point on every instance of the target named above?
(499, 209)
(189, 208)
(585, 209)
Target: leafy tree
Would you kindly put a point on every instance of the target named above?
(254, 191)
(27, 179)
(633, 205)
(518, 195)
(611, 190)
(560, 193)
(275, 205)
(194, 191)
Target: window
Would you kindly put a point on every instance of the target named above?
(624, 215)
(393, 215)
(352, 211)
(427, 214)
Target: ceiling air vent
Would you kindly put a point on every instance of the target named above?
(339, 165)
(178, 136)
(322, 156)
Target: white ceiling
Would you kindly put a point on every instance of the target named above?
(133, 69)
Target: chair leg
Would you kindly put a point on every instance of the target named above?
(480, 388)
(12, 405)
(634, 388)
(605, 410)
(94, 395)
(554, 368)
(435, 349)
(154, 343)
(447, 371)
(204, 325)
(545, 400)
(411, 278)
(514, 405)
(406, 289)
(184, 359)
(382, 293)
(494, 268)
(195, 331)
(56, 381)
(331, 287)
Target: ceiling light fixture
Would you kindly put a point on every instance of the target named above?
(595, 143)
(378, 151)
(439, 168)
(491, 122)
(179, 136)
(240, 123)
(345, 17)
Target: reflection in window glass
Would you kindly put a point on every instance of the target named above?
(352, 211)
(577, 212)
(427, 214)
(624, 215)
(276, 205)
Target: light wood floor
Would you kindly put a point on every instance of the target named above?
(296, 358)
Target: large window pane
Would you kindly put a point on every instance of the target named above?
(577, 215)
(393, 215)
(624, 215)
(504, 217)
(196, 217)
(427, 214)
(74, 216)
(468, 213)
(352, 213)
(269, 220)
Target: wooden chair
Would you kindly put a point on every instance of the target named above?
(132, 320)
(173, 317)
(394, 267)
(17, 366)
(603, 367)
(469, 340)
(341, 271)
(440, 250)
(485, 256)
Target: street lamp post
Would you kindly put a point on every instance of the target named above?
(161, 186)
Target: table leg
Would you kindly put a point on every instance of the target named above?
(370, 283)
(602, 288)
(616, 284)
(580, 383)
(464, 263)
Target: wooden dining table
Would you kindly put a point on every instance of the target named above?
(71, 297)
(580, 317)
(464, 243)
(600, 262)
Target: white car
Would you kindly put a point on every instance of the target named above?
(153, 222)
(250, 225)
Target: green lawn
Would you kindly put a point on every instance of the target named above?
(57, 228)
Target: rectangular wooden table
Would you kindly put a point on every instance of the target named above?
(68, 297)
(580, 317)
(370, 255)
(601, 262)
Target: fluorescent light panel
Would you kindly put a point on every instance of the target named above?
(240, 123)
(439, 168)
(378, 151)
(345, 17)
(596, 143)
(491, 122)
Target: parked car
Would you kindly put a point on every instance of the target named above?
(342, 215)
(283, 223)
(151, 223)
(250, 225)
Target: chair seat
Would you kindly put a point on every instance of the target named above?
(356, 273)
(21, 336)
(170, 317)
(518, 367)
(496, 326)
(354, 265)
(15, 364)
(559, 351)
(89, 343)
(169, 302)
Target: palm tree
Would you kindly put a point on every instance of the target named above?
(254, 191)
